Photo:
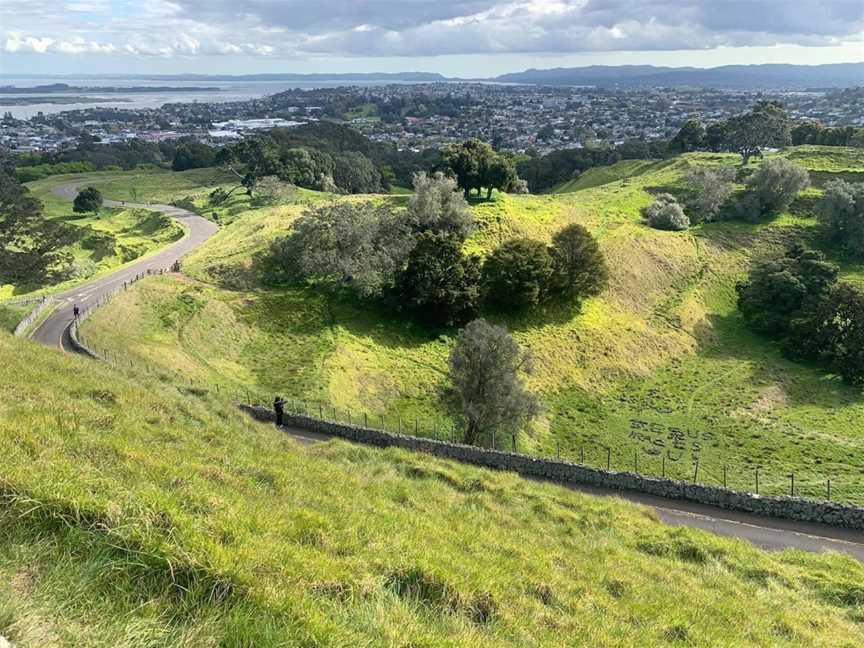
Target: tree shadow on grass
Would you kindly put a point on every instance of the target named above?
(804, 383)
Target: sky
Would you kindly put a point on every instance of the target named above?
(468, 38)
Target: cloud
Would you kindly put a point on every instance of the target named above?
(287, 28)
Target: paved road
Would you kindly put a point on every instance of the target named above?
(54, 330)
(767, 533)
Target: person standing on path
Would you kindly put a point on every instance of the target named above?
(279, 409)
(75, 311)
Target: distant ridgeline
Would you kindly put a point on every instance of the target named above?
(64, 88)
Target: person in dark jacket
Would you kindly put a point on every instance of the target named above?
(279, 408)
(75, 311)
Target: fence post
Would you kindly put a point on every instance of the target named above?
(399, 423)
(557, 449)
(636, 461)
(493, 439)
(365, 420)
(608, 458)
(792, 484)
(663, 466)
(416, 426)
(696, 471)
(582, 455)
(383, 429)
(349, 416)
(757, 480)
(829, 490)
(724, 475)
(513, 436)
(321, 411)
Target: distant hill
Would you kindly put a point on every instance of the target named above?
(727, 76)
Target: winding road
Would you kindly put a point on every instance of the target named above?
(768, 533)
(54, 330)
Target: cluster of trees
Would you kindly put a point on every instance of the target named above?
(39, 171)
(414, 262)
(708, 193)
(797, 299)
(766, 125)
(812, 132)
(98, 156)
(32, 247)
(477, 165)
(262, 155)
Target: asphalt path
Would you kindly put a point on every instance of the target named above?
(768, 533)
(54, 330)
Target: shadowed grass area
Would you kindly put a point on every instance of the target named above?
(134, 512)
(661, 353)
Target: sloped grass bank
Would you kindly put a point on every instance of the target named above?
(135, 512)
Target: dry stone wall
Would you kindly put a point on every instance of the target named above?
(793, 508)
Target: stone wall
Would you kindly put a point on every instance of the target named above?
(42, 304)
(793, 508)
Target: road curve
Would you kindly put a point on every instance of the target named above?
(54, 330)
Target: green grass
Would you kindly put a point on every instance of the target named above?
(135, 512)
(663, 352)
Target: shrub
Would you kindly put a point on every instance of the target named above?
(272, 191)
(772, 188)
(841, 214)
(359, 246)
(439, 206)
(440, 285)
(486, 393)
(580, 269)
(518, 274)
(666, 214)
(708, 190)
(780, 288)
(87, 200)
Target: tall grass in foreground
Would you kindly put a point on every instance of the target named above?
(136, 513)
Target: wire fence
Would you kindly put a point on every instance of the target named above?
(739, 473)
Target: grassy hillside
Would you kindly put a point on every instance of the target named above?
(137, 513)
(661, 359)
(103, 242)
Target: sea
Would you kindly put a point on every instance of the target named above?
(231, 90)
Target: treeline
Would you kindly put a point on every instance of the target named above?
(94, 155)
(766, 125)
(414, 263)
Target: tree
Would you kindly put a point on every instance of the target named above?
(359, 246)
(354, 173)
(487, 394)
(691, 137)
(841, 215)
(666, 214)
(438, 206)
(708, 189)
(767, 125)
(192, 155)
(499, 174)
(468, 161)
(780, 288)
(518, 274)
(439, 285)
(580, 269)
(717, 136)
(87, 200)
(772, 188)
(833, 332)
(251, 159)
